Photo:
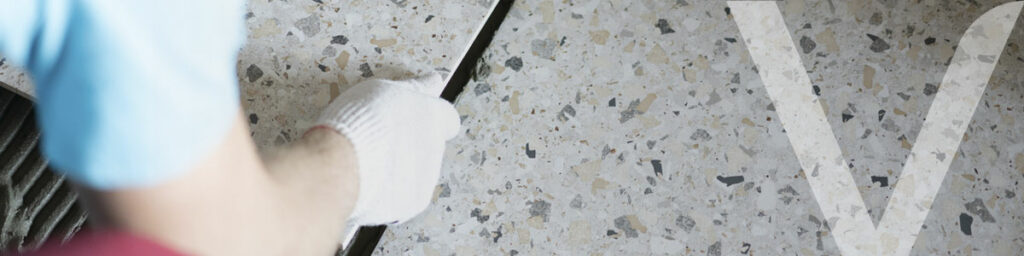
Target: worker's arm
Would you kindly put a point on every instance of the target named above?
(138, 103)
(232, 204)
(374, 159)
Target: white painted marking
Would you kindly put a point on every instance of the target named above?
(811, 136)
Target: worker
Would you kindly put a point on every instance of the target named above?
(138, 104)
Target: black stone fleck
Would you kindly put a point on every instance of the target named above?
(481, 88)
(664, 27)
(715, 249)
(730, 39)
(807, 44)
(567, 112)
(881, 114)
(729, 181)
(657, 167)
(686, 223)
(539, 208)
(253, 119)
(429, 17)
(322, 67)
(965, 223)
(339, 39)
(497, 234)
(365, 69)
(929, 40)
(903, 96)
(622, 223)
(577, 202)
(930, 89)
(480, 217)
(515, 63)
(977, 207)
(877, 43)
(484, 233)
(611, 103)
(611, 232)
(630, 112)
(445, 191)
(817, 90)
(847, 117)
(482, 70)
(881, 180)
(253, 73)
(530, 153)
(701, 135)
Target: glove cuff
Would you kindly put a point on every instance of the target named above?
(366, 133)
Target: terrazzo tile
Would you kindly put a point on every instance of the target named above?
(642, 127)
(301, 54)
(15, 79)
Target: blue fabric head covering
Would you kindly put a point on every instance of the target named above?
(130, 93)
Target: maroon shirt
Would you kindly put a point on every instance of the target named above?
(108, 242)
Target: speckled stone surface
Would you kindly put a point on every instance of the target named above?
(14, 78)
(642, 127)
(300, 54)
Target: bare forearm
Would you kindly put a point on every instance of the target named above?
(232, 203)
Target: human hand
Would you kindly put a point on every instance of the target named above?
(398, 130)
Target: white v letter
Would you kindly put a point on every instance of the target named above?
(788, 85)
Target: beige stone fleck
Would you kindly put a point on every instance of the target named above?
(1019, 162)
(587, 171)
(384, 42)
(579, 232)
(599, 37)
(598, 184)
(828, 38)
(269, 27)
(657, 55)
(547, 10)
(869, 76)
(513, 102)
(342, 60)
(635, 223)
(646, 102)
(747, 122)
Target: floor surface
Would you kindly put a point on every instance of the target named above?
(642, 127)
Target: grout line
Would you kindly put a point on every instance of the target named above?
(459, 79)
(366, 238)
(479, 30)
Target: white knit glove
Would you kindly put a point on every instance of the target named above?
(398, 130)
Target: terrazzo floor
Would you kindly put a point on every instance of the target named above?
(642, 127)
